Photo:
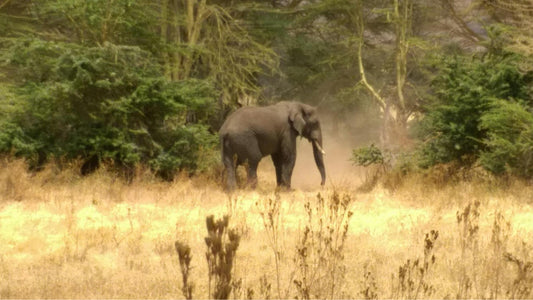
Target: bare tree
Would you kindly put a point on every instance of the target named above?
(394, 108)
(203, 37)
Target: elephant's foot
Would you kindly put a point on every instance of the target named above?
(252, 183)
(231, 184)
(284, 188)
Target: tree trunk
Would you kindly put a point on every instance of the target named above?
(164, 38)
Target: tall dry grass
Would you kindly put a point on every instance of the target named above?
(63, 236)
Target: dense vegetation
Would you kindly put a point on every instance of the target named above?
(130, 82)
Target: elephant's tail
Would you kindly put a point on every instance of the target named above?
(226, 151)
(224, 145)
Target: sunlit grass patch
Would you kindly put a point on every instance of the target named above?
(100, 237)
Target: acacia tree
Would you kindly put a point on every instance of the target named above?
(515, 15)
(395, 107)
(193, 38)
(462, 13)
(519, 16)
(204, 38)
(358, 54)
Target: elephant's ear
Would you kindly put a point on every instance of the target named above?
(297, 120)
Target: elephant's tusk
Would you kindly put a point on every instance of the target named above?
(319, 148)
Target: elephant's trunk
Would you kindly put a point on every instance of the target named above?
(318, 152)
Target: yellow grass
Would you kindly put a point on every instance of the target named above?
(62, 236)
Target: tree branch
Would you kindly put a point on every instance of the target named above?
(4, 4)
(467, 32)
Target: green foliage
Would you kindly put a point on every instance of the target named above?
(110, 102)
(98, 21)
(320, 59)
(464, 90)
(135, 81)
(366, 156)
(509, 142)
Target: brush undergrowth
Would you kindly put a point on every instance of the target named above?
(320, 249)
(101, 232)
(413, 280)
(318, 269)
(222, 243)
(270, 211)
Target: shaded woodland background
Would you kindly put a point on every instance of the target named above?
(134, 82)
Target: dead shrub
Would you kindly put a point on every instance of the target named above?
(320, 250)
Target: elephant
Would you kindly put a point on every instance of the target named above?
(251, 133)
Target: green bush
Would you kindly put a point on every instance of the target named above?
(109, 102)
(464, 90)
(509, 142)
(366, 156)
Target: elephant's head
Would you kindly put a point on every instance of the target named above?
(304, 119)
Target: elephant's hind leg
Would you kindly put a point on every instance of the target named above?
(252, 173)
(247, 149)
(229, 164)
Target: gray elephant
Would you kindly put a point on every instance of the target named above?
(251, 133)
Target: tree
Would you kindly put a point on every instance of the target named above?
(473, 17)
(125, 81)
(464, 14)
(193, 38)
(203, 38)
(509, 142)
(105, 104)
(518, 15)
(464, 90)
(395, 109)
(394, 95)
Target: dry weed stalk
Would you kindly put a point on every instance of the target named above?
(232, 203)
(413, 275)
(370, 288)
(270, 211)
(184, 255)
(222, 244)
(320, 251)
(522, 286)
(468, 222)
(498, 241)
(265, 287)
(15, 181)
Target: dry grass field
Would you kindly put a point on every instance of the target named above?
(62, 236)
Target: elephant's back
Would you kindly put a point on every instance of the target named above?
(255, 130)
(252, 118)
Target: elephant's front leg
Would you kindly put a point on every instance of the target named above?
(278, 164)
(288, 159)
(286, 170)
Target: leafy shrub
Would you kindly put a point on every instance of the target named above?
(126, 22)
(464, 90)
(366, 156)
(107, 102)
(383, 166)
(509, 142)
